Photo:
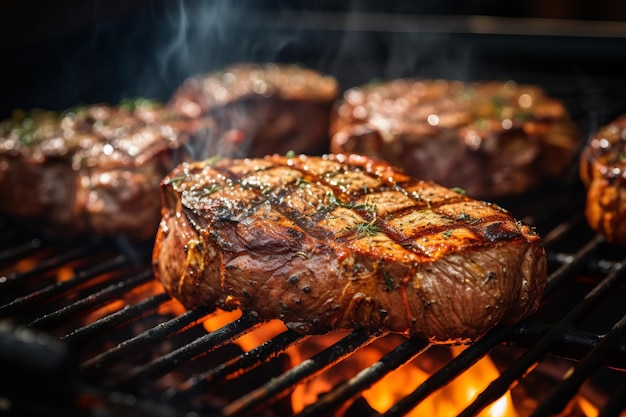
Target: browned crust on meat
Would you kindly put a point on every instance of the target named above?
(491, 138)
(603, 171)
(344, 241)
(92, 169)
(257, 109)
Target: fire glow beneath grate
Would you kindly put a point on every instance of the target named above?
(134, 348)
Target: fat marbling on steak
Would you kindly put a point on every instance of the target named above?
(341, 242)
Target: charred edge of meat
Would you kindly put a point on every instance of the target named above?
(437, 263)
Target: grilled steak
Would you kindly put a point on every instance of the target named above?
(341, 242)
(89, 170)
(259, 109)
(603, 171)
(492, 139)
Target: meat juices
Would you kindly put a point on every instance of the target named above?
(90, 170)
(603, 171)
(493, 139)
(259, 109)
(340, 241)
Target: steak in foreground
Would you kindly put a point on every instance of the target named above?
(340, 241)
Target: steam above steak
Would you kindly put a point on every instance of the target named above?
(89, 170)
(492, 139)
(259, 109)
(341, 242)
(603, 171)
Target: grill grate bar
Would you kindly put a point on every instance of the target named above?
(575, 344)
(91, 301)
(402, 354)
(20, 250)
(191, 351)
(243, 363)
(279, 386)
(500, 385)
(164, 330)
(451, 370)
(561, 395)
(127, 314)
(560, 231)
(46, 265)
(567, 270)
(58, 287)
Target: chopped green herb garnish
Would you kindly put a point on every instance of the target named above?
(388, 281)
(367, 229)
(458, 190)
(290, 154)
(178, 179)
(210, 190)
(464, 216)
(301, 182)
(446, 234)
(210, 161)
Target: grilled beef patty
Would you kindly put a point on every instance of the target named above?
(341, 242)
(259, 109)
(603, 171)
(492, 139)
(89, 170)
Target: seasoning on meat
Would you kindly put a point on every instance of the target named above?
(341, 242)
(603, 171)
(259, 109)
(91, 169)
(493, 139)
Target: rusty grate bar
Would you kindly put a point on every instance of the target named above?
(279, 386)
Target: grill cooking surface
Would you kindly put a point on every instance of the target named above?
(85, 330)
(108, 340)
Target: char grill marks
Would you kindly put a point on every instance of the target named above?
(344, 241)
(334, 201)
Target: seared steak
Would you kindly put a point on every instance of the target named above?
(259, 109)
(603, 171)
(89, 170)
(492, 139)
(341, 242)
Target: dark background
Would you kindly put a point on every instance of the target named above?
(56, 54)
